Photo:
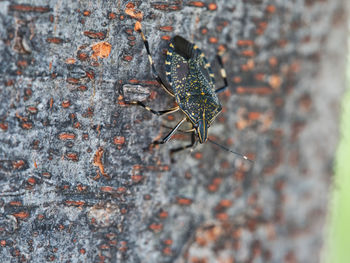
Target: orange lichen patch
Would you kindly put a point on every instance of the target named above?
(95, 35)
(136, 178)
(32, 110)
(18, 164)
(81, 188)
(261, 28)
(130, 11)
(204, 31)
(198, 155)
(72, 156)
(225, 203)
(212, 6)
(273, 61)
(51, 103)
(212, 188)
(4, 126)
(121, 190)
(66, 136)
(183, 201)
(130, 5)
(155, 227)
(127, 58)
(213, 40)
(271, 9)
(21, 215)
(16, 203)
(133, 81)
(72, 80)
(27, 125)
(107, 189)
(123, 246)
(82, 88)
(163, 214)
(168, 242)
(275, 81)
(74, 203)
(104, 246)
(82, 56)
(90, 74)
(20, 117)
(112, 15)
(196, 4)
(70, 61)
(40, 217)
(121, 100)
(245, 42)
(46, 174)
(22, 63)
(254, 115)
(119, 140)
(170, 117)
(255, 90)
(86, 13)
(29, 8)
(101, 50)
(166, 28)
(66, 103)
(31, 181)
(166, 37)
(54, 40)
(248, 53)
(98, 162)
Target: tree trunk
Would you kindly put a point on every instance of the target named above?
(79, 180)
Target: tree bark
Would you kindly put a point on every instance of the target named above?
(79, 180)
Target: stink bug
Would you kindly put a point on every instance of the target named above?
(192, 84)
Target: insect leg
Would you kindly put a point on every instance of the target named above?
(159, 113)
(154, 71)
(223, 75)
(172, 151)
(171, 133)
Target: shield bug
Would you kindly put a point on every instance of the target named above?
(192, 84)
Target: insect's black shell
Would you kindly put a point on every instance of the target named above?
(192, 81)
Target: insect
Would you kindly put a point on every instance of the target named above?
(192, 84)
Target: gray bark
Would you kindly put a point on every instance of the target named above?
(78, 180)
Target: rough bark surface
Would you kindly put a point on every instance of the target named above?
(78, 180)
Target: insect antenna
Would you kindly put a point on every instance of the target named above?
(229, 150)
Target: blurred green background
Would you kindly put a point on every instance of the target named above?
(339, 231)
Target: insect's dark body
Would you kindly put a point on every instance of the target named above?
(192, 85)
(192, 82)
